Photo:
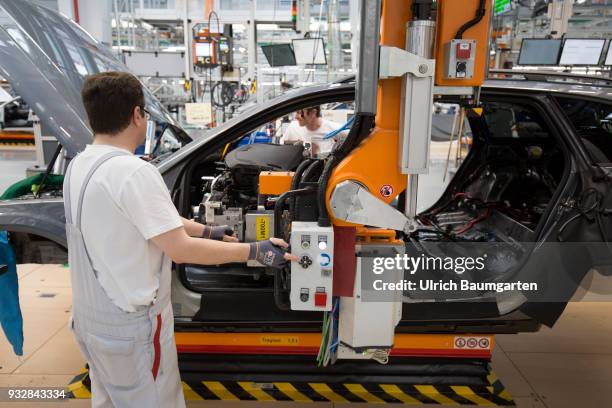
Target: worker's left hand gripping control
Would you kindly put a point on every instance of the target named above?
(217, 233)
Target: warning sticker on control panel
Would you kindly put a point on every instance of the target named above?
(273, 340)
(472, 342)
(262, 228)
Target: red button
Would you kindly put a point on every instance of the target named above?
(464, 50)
(320, 299)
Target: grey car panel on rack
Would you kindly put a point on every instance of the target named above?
(43, 217)
(46, 57)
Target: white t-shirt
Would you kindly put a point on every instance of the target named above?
(296, 133)
(126, 204)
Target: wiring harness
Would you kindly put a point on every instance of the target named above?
(589, 206)
(329, 340)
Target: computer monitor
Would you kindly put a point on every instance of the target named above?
(279, 55)
(608, 60)
(581, 51)
(539, 51)
(203, 49)
(309, 51)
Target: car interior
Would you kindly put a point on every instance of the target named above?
(500, 194)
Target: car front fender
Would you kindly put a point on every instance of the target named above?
(42, 217)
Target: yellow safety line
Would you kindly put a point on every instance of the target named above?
(255, 391)
(467, 393)
(327, 392)
(220, 391)
(79, 390)
(504, 393)
(364, 394)
(431, 392)
(397, 393)
(190, 394)
(291, 392)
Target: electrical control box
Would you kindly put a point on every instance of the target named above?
(452, 15)
(460, 59)
(312, 276)
(211, 49)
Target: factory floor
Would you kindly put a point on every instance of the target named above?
(567, 366)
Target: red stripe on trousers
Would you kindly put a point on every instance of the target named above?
(157, 347)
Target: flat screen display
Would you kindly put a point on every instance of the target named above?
(581, 52)
(539, 51)
(279, 55)
(203, 49)
(310, 51)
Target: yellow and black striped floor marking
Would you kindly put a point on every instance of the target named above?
(11, 143)
(493, 394)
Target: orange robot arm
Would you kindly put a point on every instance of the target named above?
(374, 163)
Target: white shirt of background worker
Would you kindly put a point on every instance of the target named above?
(310, 127)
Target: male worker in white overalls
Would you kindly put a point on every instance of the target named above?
(123, 234)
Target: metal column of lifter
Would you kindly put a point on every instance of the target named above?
(414, 160)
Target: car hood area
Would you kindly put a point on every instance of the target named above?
(46, 57)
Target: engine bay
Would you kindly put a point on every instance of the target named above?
(234, 195)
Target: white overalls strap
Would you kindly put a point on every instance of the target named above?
(90, 298)
(67, 195)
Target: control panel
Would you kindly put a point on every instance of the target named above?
(212, 49)
(312, 276)
(460, 59)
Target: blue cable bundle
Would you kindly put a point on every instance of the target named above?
(10, 312)
(344, 127)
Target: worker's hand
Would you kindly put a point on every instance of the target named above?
(219, 233)
(231, 238)
(272, 252)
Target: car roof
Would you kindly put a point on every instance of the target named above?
(542, 81)
(552, 82)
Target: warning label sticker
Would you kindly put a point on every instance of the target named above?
(472, 342)
(262, 228)
(273, 340)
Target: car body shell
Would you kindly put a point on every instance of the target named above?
(51, 87)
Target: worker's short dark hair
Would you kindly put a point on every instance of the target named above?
(316, 109)
(110, 99)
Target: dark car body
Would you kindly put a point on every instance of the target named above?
(45, 57)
